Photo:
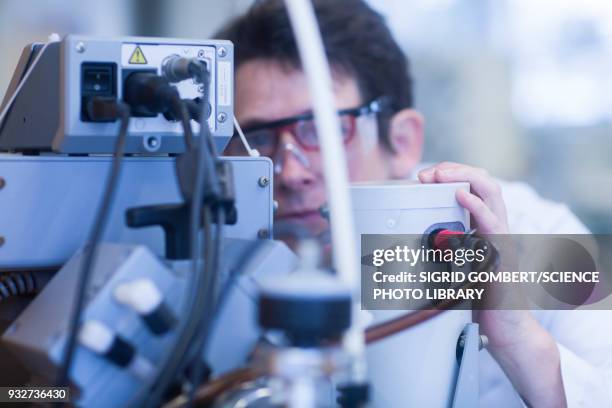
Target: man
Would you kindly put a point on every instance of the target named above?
(542, 357)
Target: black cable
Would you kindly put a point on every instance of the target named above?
(151, 393)
(218, 254)
(186, 352)
(180, 108)
(207, 303)
(246, 258)
(206, 307)
(210, 308)
(192, 354)
(204, 175)
(213, 255)
(90, 253)
(177, 356)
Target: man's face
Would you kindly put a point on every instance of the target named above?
(268, 91)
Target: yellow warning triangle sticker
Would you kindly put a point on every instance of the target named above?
(137, 56)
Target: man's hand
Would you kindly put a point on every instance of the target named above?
(484, 201)
(523, 348)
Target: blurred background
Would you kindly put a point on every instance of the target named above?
(520, 87)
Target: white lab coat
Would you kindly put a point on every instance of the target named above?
(584, 337)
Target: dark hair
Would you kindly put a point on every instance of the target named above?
(357, 42)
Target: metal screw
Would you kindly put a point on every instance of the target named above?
(80, 47)
(483, 342)
(152, 142)
(201, 54)
(390, 223)
(222, 52)
(2, 240)
(263, 181)
(2, 183)
(221, 117)
(263, 233)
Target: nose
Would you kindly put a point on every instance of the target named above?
(291, 165)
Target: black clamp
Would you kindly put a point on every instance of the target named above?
(175, 220)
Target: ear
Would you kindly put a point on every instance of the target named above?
(406, 136)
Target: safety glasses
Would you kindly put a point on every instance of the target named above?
(265, 137)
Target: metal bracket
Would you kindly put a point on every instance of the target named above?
(466, 388)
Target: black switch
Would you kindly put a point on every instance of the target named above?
(97, 79)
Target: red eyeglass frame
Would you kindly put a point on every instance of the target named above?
(290, 124)
(292, 128)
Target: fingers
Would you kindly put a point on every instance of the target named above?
(486, 220)
(482, 185)
(428, 175)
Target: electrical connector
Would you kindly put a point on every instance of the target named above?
(149, 94)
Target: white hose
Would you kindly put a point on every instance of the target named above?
(24, 79)
(245, 143)
(316, 68)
